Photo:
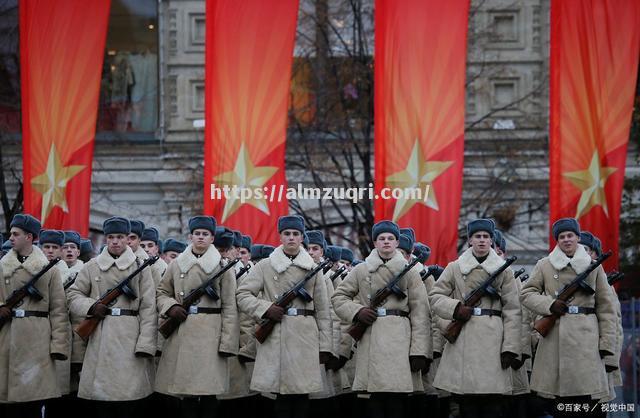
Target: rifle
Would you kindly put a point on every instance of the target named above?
(546, 323)
(338, 272)
(171, 324)
(28, 289)
(455, 327)
(357, 329)
(88, 325)
(518, 273)
(265, 327)
(524, 278)
(242, 271)
(70, 281)
(614, 277)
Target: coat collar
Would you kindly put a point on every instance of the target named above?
(579, 262)
(467, 262)
(208, 262)
(141, 254)
(33, 264)
(280, 262)
(396, 264)
(105, 261)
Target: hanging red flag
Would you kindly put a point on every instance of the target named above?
(249, 54)
(420, 63)
(61, 53)
(594, 62)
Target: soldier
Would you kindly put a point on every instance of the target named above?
(50, 242)
(397, 342)
(171, 249)
(35, 334)
(194, 359)
(475, 367)
(237, 244)
(288, 362)
(150, 241)
(223, 242)
(244, 252)
(346, 257)
(117, 372)
(569, 365)
(611, 363)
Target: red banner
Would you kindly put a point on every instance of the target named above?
(61, 52)
(249, 53)
(420, 63)
(594, 62)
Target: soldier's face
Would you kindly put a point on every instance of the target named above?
(116, 243)
(149, 247)
(51, 251)
(481, 243)
(20, 240)
(201, 239)
(386, 244)
(168, 256)
(291, 240)
(134, 242)
(245, 255)
(70, 253)
(316, 252)
(346, 263)
(568, 242)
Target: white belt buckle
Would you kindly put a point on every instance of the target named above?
(477, 311)
(382, 312)
(115, 311)
(193, 310)
(292, 312)
(19, 313)
(573, 309)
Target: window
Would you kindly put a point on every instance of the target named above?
(129, 87)
(9, 67)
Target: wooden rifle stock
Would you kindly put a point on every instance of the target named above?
(89, 325)
(266, 326)
(28, 289)
(358, 328)
(546, 323)
(167, 327)
(452, 332)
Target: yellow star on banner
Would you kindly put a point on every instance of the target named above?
(245, 175)
(591, 183)
(419, 174)
(52, 184)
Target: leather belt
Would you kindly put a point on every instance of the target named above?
(486, 312)
(392, 312)
(300, 312)
(21, 313)
(121, 312)
(200, 310)
(580, 310)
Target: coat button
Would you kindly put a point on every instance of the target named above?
(182, 276)
(275, 278)
(97, 279)
(555, 276)
(181, 293)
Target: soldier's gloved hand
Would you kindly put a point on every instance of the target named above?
(417, 363)
(609, 368)
(274, 313)
(333, 364)
(507, 358)
(559, 307)
(367, 316)
(324, 357)
(244, 359)
(5, 312)
(178, 313)
(76, 368)
(462, 312)
(341, 362)
(437, 355)
(517, 363)
(98, 310)
(58, 356)
(223, 354)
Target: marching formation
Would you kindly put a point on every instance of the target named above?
(221, 326)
